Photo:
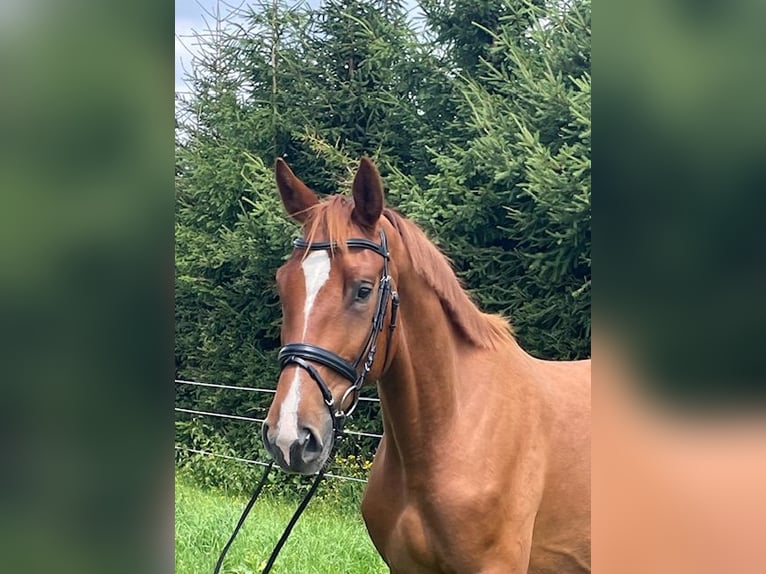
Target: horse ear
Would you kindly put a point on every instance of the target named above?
(367, 190)
(296, 196)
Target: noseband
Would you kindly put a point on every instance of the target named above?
(303, 354)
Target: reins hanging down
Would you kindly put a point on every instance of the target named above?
(241, 521)
(288, 529)
(303, 354)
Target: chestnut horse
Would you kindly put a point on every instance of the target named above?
(484, 465)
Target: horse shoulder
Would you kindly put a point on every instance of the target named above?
(383, 502)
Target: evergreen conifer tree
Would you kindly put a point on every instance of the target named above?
(512, 202)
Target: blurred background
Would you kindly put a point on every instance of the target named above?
(678, 386)
(86, 285)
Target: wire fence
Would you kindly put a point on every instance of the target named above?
(196, 412)
(256, 462)
(253, 389)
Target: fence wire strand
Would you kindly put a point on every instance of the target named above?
(252, 389)
(220, 415)
(219, 386)
(258, 462)
(254, 420)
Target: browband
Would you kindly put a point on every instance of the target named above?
(358, 242)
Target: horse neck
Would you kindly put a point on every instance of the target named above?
(419, 393)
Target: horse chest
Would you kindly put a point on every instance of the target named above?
(398, 530)
(411, 541)
(410, 545)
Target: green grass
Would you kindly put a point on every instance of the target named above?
(328, 538)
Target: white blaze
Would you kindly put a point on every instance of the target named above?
(316, 271)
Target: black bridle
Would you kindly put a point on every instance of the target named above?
(304, 354)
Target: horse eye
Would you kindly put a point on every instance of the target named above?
(363, 292)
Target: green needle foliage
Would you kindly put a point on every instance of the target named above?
(478, 115)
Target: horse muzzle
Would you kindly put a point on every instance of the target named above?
(303, 451)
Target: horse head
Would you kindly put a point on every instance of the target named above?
(338, 310)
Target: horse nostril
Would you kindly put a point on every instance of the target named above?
(311, 441)
(265, 433)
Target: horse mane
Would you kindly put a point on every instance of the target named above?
(332, 218)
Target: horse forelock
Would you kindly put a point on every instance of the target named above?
(331, 221)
